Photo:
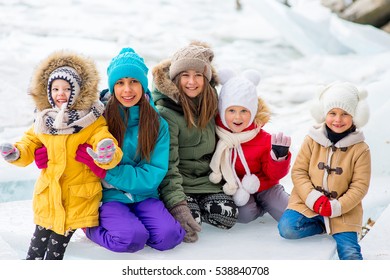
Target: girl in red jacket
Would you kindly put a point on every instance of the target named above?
(249, 159)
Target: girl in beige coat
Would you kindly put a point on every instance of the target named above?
(331, 173)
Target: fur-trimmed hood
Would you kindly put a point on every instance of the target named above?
(163, 84)
(263, 113)
(84, 66)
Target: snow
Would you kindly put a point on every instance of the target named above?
(294, 49)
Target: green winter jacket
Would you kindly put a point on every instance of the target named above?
(191, 149)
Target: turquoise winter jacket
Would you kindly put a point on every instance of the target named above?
(135, 180)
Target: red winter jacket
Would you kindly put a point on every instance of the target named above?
(257, 154)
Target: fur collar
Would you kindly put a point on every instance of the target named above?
(164, 85)
(85, 67)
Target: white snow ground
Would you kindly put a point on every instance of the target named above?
(294, 49)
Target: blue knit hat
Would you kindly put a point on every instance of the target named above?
(127, 64)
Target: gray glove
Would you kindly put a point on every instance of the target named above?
(9, 152)
(104, 151)
(182, 214)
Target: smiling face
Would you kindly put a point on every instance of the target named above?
(128, 91)
(237, 118)
(192, 83)
(60, 92)
(338, 120)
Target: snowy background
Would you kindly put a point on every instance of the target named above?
(294, 49)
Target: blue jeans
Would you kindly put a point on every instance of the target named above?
(294, 225)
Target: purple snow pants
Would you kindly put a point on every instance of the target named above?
(128, 227)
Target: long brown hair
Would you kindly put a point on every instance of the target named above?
(198, 114)
(149, 124)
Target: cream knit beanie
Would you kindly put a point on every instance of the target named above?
(345, 96)
(196, 56)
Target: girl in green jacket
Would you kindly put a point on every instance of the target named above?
(184, 93)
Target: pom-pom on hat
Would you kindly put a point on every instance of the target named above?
(345, 96)
(196, 56)
(70, 75)
(238, 90)
(127, 64)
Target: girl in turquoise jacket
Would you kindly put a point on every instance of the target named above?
(132, 215)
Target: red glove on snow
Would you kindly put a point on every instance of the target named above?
(41, 157)
(322, 206)
(83, 157)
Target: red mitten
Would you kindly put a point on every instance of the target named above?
(83, 157)
(41, 157)
(322, 206)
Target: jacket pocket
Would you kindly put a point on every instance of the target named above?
(353, 217)
(41, 199)
(84, 199)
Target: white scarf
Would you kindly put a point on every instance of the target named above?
(63, 121)
(222, 162)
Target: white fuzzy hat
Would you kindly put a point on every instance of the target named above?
(345, 96)
(238, 90)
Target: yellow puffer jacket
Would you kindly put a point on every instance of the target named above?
(67, 193)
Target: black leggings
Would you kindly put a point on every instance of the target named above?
(45, 241)
(217, 209)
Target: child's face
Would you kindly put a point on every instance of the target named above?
(128, 91)
(192, 83)
(338, 120)
(60, 92)
(237, 118)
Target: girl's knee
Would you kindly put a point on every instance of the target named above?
(129, 242)
(167, 237)
(286, 230)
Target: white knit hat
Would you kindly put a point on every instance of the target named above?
(238, 90)
(345, 96)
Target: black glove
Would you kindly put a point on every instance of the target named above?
(280, 145)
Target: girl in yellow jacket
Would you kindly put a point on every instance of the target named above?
(332, 171)
(68, 112)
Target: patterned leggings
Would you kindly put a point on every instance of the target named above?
(217, 209)
(45, 241)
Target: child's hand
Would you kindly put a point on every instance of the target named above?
(280, 145)
(182, 214)
(41, 157)
(322, 206)
(83, 157)
(104, 151)
(9, 152)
